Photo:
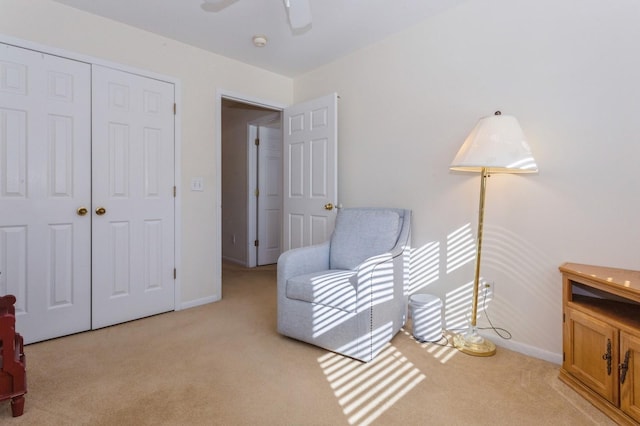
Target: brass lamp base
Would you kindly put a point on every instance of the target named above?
(471, 343)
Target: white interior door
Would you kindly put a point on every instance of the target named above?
(133, 181)
(310, 171)
(45, 142)
(269, 194)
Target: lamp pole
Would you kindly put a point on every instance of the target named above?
(476, 280)
(471, 342)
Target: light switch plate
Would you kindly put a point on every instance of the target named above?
(197, 184)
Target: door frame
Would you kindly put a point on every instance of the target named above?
(246, 99)
(177, 137)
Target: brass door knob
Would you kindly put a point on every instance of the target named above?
(328, 206)
(100, 211)
(82, 211)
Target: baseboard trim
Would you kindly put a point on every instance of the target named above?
(234, 260)
(199, 302)
(525, 349)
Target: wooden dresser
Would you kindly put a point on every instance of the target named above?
(601, 338)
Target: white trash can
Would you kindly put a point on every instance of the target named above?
(426, 317)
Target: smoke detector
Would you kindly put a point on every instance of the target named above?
(259, 41)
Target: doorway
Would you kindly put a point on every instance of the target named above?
(248, 171)
(310, 136)
(264, 146)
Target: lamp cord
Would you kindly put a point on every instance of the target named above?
(502, 332)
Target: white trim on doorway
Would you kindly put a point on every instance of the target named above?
(246, 99)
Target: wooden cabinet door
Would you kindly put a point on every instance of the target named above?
(591, 353)
(630, 379)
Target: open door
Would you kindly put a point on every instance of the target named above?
(269, 194)
(310, 158)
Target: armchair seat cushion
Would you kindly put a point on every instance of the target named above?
(360, 234)
(332, 288)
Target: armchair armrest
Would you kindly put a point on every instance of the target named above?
(303, 260)
(383, 277)
(374, 271)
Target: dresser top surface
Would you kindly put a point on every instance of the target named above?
(612, 276)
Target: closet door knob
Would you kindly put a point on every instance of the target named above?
(82, 211)
(100, 211)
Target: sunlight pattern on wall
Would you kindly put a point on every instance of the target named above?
(458, 307)
(365, 391)
(425, 265)
(461, 248)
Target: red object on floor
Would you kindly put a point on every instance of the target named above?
(13, 376)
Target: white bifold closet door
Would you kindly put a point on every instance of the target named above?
(45, 175)
(133, 181)
(71, 268)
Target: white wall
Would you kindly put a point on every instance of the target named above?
(200, 73)
(570, 72)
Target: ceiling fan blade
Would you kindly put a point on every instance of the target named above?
(216, 5)
(299, 12)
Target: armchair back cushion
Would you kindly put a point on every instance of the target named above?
(360, 234)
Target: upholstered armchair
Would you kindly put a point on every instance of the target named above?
(349, 294)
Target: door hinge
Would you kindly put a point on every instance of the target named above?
(256, 243)
(257, 192)
(257, 141)
(563, 317)
(175, 273)
(174, 192)
(564, 358)
(175, 108)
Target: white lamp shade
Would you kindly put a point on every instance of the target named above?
(496, 143)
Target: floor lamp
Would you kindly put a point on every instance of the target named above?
(495, 145)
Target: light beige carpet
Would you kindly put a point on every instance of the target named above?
(225, 364)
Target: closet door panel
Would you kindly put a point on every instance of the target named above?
(45, 143)
(133, 181)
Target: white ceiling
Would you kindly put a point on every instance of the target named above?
(339, 26)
